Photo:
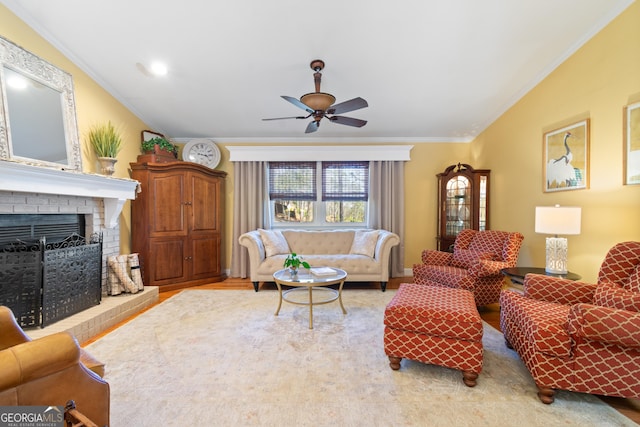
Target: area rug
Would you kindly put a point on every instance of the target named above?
(221, 358)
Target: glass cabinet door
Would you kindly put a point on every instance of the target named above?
(463, 202)
(458, 205)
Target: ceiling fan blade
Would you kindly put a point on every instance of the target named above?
(346, 106)
(312, 127)
(293, 117)
(298, 103)
(349, 121)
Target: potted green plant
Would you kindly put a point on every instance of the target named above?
(107, 142)
(158, 150)
(293, 263)
(149, 146)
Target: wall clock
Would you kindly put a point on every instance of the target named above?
(202, 151)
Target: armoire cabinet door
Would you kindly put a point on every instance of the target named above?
(166, 260)
(167, 218)
(205, 257)
(205, 198)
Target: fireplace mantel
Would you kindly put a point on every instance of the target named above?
(35, 179)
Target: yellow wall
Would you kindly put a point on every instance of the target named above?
(93, 105)
(596, 82)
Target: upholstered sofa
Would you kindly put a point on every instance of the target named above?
(49, 371)
(363, 254)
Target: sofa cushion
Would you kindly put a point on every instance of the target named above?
(613, 296)
(352, 264)
(274, 242)
(364, 243)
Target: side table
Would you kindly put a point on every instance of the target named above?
(516, 274)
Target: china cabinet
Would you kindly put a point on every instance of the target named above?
(463, 202)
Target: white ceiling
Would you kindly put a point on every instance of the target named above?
(430, 70)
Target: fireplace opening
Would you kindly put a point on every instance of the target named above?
(30, 227)
(48, 269)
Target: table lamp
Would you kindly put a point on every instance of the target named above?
(557, 220)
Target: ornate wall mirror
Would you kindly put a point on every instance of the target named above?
(37, 111)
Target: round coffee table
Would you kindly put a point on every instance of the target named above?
(315, 286)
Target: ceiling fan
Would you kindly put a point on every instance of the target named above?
(319, 104)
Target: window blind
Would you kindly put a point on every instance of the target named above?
(345, 181)
(292, 181)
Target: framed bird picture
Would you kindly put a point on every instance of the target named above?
(566, 157)
(632, 144)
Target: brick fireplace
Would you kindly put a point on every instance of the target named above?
(28, 189)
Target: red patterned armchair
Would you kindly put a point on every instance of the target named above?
(578, 336)
(474, 265)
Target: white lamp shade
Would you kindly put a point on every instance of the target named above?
(558, 220)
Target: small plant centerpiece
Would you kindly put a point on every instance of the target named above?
(293, 262)
(149, 145)
(158, 150)
(106, 142)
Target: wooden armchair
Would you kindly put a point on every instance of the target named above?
(474, 265)
(579, 336)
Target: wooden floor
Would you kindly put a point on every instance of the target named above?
(490, 314)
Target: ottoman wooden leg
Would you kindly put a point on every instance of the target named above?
(394, 362)
(469, 378)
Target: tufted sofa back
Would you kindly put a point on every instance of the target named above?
(306, 242)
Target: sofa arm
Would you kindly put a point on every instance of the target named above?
(386, 240)
(432, 257)
(557, 289)
(604, 324)
(253, 242)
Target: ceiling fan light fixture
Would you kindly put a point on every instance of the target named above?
(318, 101)
(320, 105)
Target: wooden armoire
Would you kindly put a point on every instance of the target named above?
(177, 223)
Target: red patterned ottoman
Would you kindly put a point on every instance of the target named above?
(436, 325)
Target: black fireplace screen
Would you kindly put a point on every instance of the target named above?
(45, 282)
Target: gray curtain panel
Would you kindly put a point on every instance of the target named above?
(248, 210)
(386, 206)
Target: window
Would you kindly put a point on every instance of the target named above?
(297, 197)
